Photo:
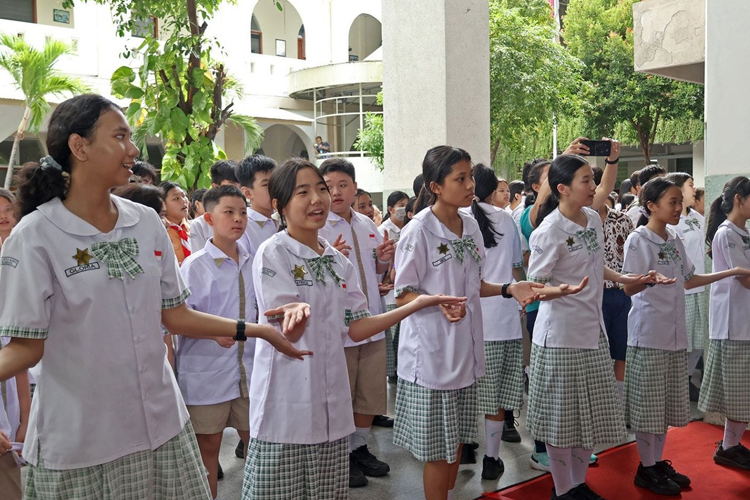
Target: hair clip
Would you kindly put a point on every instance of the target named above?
(644, 212)
(50, 162)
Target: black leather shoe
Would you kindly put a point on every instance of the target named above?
(681, 479)
(357, 478)
(736, 456)
(368, 463)
(468, 455)
(492, 468)
(510, 434)
(655, 480)
(382, 421)
(239, 452)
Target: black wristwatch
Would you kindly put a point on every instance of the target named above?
(613, 162)
(240, 337)
(504, 291)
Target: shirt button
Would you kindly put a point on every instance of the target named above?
(132, 310)
(143, 369)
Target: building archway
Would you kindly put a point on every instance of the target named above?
(281, 30)
(365, 36)
(282, 142)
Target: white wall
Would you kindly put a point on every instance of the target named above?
(365, 35)
(45, 11)
(275, 25)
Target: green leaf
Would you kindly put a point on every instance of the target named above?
(133, 92)
(278, 6)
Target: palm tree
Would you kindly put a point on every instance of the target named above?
(33, 74)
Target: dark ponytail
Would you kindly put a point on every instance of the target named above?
(720, 208)
(651, 192)
(486, 183)
(532, 174)
(394, 198)
(437, 165)
(679, 179)
(562, 171)
(48, 179)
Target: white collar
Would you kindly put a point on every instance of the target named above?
(304, 251)
(54, 210)
(433, 224)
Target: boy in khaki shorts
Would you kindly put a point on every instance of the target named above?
(358, 238)
(214, 375)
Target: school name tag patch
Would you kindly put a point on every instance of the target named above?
(442, 260)
(9, 261)
(299, 273)
(72, 271)
(572, 247)
(268, 272)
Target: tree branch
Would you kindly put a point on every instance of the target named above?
(180, 94)
(653, 132)
(495, 146)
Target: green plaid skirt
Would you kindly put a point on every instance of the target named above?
(726, 382)
(502, 384)
(656, 389)
(696, 318)
(432, 423)
(296, 471)
(573, 399)
(391, 345)
(172, 471)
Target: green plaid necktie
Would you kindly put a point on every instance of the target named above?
(670, 252)
(118, 256)
(588, 236)
(319, 265)
(466, 244)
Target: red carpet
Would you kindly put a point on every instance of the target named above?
(690, 449)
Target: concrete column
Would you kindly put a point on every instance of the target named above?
(699, 164)
(436, 83)
(727, 102)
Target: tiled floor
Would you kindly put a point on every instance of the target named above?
(405, 480)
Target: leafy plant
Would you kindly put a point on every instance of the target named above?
(370, 138)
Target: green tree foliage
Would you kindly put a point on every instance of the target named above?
(180, 92)
(33, 73)
(532, 77)
(370, 138)
(600, 33)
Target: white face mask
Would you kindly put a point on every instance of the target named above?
(400, 213)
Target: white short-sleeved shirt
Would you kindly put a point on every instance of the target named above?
(259, 229)
(369, 238)
(104, 386)
(564, 252)
(200, 232)
(309, 401)
(207, 372)
(499, 315)
(10, 409)
(729, 318)
(634, 212)
(394, 233)
(657, 318)
(433, 352)
(691, 231)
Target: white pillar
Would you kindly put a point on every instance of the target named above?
(727, 101)
(436, 83)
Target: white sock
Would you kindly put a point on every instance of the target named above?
(450, 494)
(493, 431)
(645, 443)
(621, 390)
(560, 466)
(358, 438)
(733, 433)
(659, 441)
(693, 357)
(579, 465)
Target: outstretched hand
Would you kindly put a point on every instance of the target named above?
(282, 344)
(341, 246)
(294, 320)
(555, 292)
(649, 278)
(453, 308)
(525, 292)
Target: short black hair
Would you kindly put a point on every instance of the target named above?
(250, 166)
(143, 194)
(145, 169)
(634, 182)
(338, 165)
(649, 172)
(360, 192)
(214, 195)
(223, 170)
(598, 173)
(516, 187)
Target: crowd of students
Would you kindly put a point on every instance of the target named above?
(274, 304)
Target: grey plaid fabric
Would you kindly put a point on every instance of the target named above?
(573, 399)
(177, 301)
(391, 345)
(589, 238)
(350, 316)
(319, 265)
(173, 471)
(502, 384)
(656, 389)
(432, 423)
(696, 317)
(276, 471)
(726, 382)
(118, 256)
(466, 244)
(22, 332)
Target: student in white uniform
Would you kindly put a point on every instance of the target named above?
(223, 173)
(395, 219)
(85, 282)
(501, 389)
(726, 383)
(371, 255)
(214, 374)
(644, 175)
(691, 231)
(656, 395)
(573, 400)
(15, 405)
(253, 173)
(301, 413)
(441, 250)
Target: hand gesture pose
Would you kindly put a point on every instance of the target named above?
(341, 246)
(385, 251)
(294, 320)
(555, 292)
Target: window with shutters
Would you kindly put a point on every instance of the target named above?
(18, 10)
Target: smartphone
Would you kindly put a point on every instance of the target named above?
(598, 148)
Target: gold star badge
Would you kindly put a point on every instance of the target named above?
(570, 241)
(299, 272)
(662, 256)
(443, 248)
(83, 256)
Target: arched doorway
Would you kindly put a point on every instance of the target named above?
(282, 34)
(281, 142)
(365, 36)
